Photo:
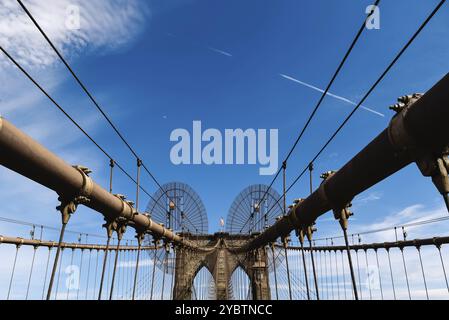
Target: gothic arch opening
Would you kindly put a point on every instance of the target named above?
(240, 285)
(204, 286)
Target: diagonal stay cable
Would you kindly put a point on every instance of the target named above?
(77, 79)
(84, 88)
(368, 93)
(71, 119)
(323, 96)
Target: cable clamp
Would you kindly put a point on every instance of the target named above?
(88, 185)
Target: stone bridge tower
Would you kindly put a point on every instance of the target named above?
(221, 262)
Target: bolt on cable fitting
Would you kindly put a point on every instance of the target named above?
(405, 101)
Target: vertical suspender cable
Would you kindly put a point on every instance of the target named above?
(59, 274)
(71, 263)
(442, 265)
(31, 271)
(314, 270)
(96, 273)
(288, 270)
(154, 269)
(351, 266)
(88, 273)
(274, 270)
(367, 274)
(379, 275)
(422, 270)
(46, 272)
(139, 239)
(13, 271)
(306, 278)
(55, 263)
(391, 274)
(344, 274)
(117, 253)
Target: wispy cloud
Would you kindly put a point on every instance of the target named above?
(331, 94)
(373, 196)
(104, 24)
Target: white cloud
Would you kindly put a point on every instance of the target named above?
(104, 24)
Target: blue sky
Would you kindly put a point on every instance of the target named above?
(163, 64)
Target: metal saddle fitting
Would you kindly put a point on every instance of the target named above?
(110, 226)
(140, 236)
(322, 189)
(343, 215)
(437, 168)
(309, 231)
(285, 241)
(68, 206)
(167, 246)
(397, 131)
(291, 215)
(121, 225)
(300, 235)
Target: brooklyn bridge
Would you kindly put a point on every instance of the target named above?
(267, 248)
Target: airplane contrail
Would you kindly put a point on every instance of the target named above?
(216, 50)
(331, 94)
(220, 51)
